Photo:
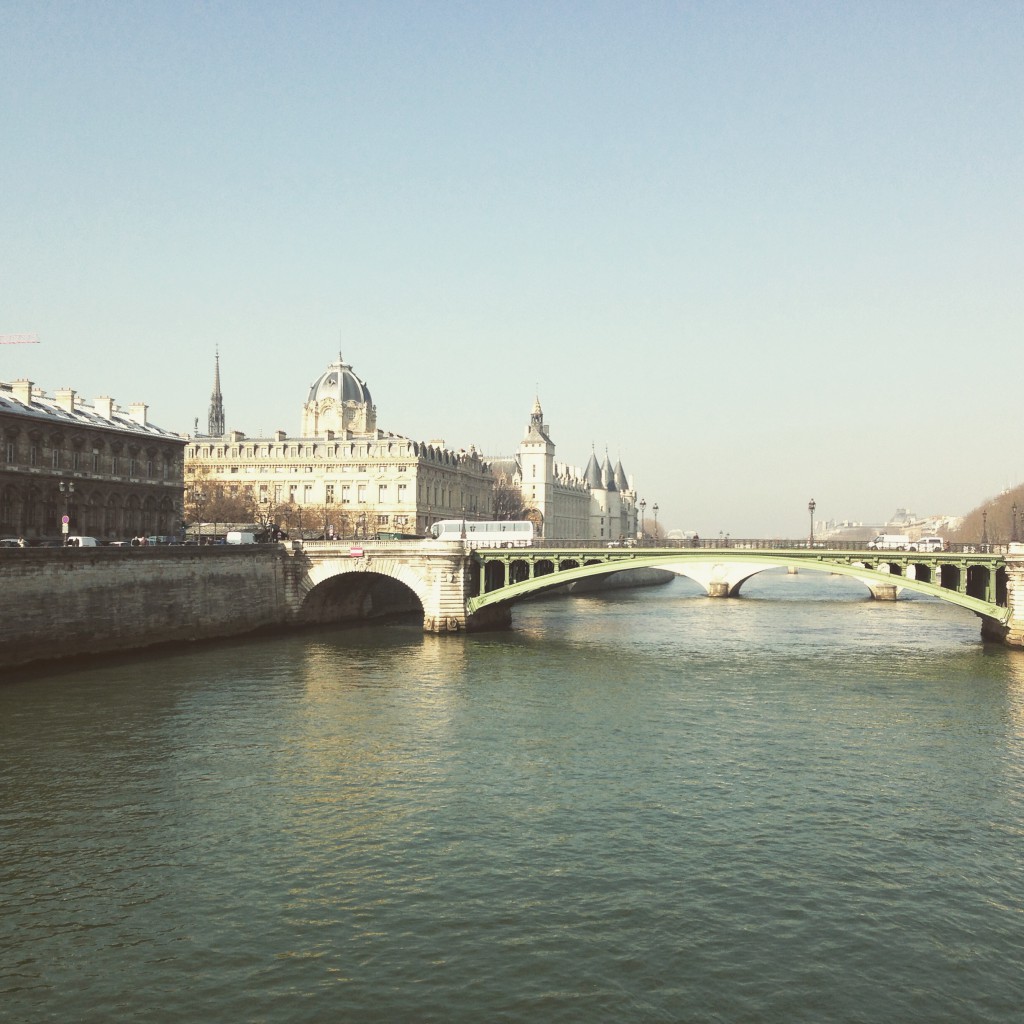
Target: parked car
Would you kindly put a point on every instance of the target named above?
(928, 544)
(82, 542)
(11, 542)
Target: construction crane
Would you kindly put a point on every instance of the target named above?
(19, 339)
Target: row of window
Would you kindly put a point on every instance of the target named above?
(88, 462)
(284, 451)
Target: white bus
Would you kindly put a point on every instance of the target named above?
(510, 533)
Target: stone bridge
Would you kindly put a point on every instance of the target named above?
(460, 588)
(61, 602)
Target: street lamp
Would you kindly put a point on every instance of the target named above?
(655, 510)
(1013, 524)
(811, 506)
(643, 520)
(67, 490)
(462, 534)
(984, 529)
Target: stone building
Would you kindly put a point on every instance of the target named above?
(344, 475)
(341, 474)
(564, 502)
(109, 470)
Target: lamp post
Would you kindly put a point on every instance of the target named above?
(655, 511)
(1013, 524)
(462, 534)
(67, 489)
(643, 520)
(811, 506)
(984, 530)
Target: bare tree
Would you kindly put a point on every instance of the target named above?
(508, 501)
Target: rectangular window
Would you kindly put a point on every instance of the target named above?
(95, 461)
(149, 468)
(382, 494)
(362, 494)
(403, 494)
(329, 494)
(346, 494)
(10, 451)
(133, 467)
(55, 458)
(33, 455)
(264, 497)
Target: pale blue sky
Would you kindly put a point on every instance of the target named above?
(761, 252)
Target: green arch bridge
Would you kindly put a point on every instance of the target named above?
(978, 582)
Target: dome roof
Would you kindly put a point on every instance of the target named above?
(339, 383)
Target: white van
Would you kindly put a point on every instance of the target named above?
(928, 544)
(890, 542)
(240, 537)
(81, 542)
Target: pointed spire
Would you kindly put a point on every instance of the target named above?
(621, 480)
(215, 422)
(607, 473)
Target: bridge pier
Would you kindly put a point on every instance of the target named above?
(883, 591)
(1014, 629)
(718, 588)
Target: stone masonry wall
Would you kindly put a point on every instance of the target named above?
(57, 603)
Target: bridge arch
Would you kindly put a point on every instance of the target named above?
(722, 573)
(337, 589)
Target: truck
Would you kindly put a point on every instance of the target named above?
(890, 542)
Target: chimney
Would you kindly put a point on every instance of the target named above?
(23, 391)
(105, 407)
(137, 412)
(65, 399)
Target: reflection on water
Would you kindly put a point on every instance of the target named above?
(797, 805)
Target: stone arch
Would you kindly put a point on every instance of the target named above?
(322, 571)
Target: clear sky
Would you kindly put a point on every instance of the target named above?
(760, 252)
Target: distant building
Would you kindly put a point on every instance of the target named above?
(564, 502)
(341, 475)
(111, 471)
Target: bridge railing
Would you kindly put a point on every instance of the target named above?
(757, 544)
(706, 543)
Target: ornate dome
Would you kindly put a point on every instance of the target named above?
(340, 403)
(340, 384)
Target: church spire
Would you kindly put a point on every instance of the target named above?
(215, 425)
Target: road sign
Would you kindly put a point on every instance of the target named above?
(65, 520)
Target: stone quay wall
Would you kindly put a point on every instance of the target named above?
(58, 603)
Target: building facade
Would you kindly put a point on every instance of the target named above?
(110, 471)
(341, 475)
(344, 476)
(563, 502)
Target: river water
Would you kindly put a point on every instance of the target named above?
(800, 805)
